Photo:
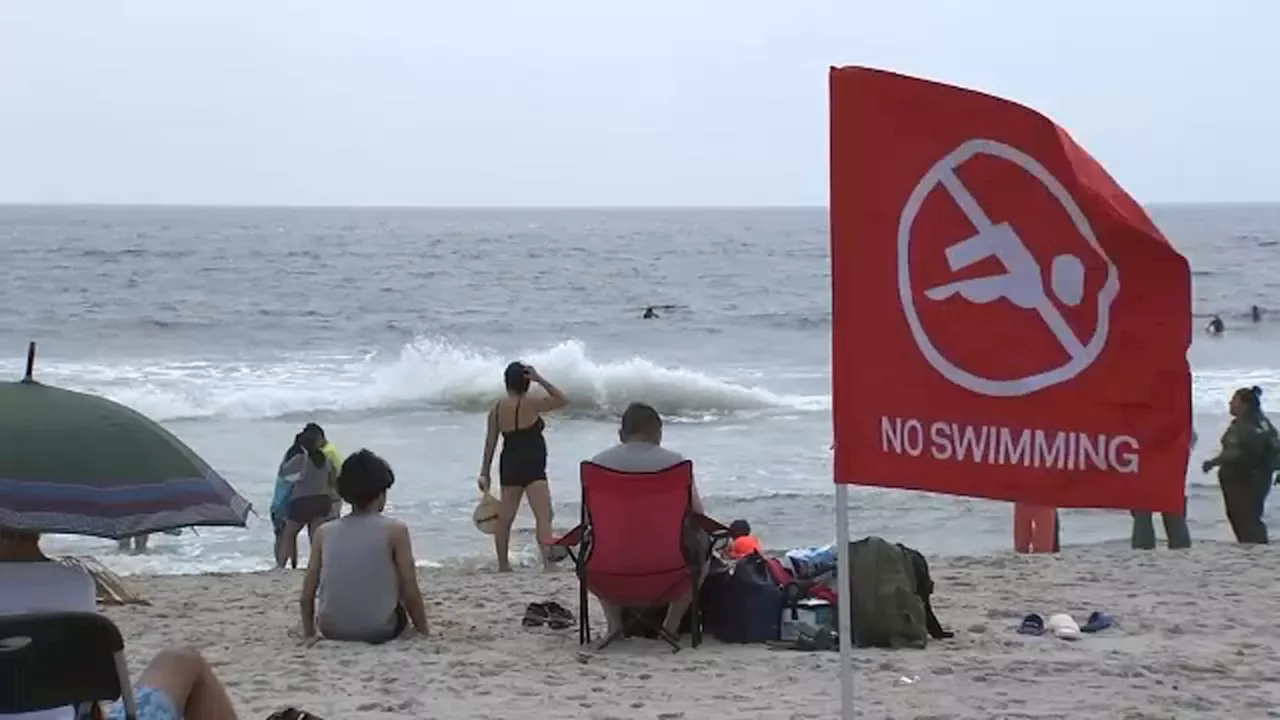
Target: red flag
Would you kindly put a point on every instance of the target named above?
(1007, 322)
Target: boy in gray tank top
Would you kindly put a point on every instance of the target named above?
(362, 568)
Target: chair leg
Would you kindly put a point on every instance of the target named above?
(695, 620)
(609, 640)
(695, 606)
(672, 640)
(584, 622)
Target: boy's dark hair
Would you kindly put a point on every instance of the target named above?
(739, 528)
(363, 478)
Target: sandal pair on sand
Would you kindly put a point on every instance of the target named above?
(808, 639)
(552, 614)
(1063, 626)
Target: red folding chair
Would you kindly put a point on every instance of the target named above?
(632, 548)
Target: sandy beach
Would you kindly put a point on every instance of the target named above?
(1197, 638)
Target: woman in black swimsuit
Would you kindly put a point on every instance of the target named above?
(522, 466)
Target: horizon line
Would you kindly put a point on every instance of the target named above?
(319, 206)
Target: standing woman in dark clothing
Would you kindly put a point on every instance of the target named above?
(1245, 465)
(522, 465)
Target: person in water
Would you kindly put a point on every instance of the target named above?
(650, 313)
(1245, 465)
(1255, 313)
(361, 566)
(1215, 326)
(522, 466)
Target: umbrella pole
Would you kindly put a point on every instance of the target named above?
(31, 362)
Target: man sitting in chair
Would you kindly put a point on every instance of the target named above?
(641, 451)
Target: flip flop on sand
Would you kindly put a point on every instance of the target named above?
(1032, 624)
(1063, 627)
(1098, 621)
(558, 618)
(535, 615)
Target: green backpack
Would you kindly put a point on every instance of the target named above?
(887, 610)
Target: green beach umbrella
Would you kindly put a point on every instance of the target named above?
(76, 463)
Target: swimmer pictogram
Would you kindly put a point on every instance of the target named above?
(1021, 282)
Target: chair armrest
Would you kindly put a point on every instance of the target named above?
(573, 538)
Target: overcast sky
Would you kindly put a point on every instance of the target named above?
(599, 102)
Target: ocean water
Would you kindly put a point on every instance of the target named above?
(390, 327)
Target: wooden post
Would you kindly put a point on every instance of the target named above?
(31, 362)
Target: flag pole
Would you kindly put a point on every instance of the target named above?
(844, 601)
(28, 376)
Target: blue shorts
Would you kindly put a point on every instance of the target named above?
(153, 704)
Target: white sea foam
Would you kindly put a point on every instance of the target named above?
(426, 373)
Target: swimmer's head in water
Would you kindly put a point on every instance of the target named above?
(516, 377)
(364, 480)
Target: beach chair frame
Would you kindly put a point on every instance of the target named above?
(52, 660)
(578, 542)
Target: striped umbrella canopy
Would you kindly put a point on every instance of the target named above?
(76, 463)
